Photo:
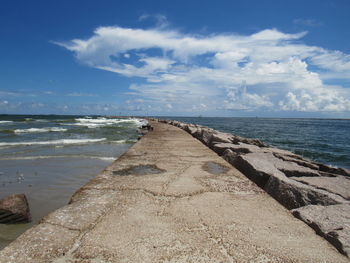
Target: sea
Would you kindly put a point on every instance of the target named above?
(322, 140)
(49, 157)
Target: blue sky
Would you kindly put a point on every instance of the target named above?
(189, 58)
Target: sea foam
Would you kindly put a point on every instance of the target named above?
(53, 142)
(101, 122)
(4, 122)
(39, 130)
(39, 157)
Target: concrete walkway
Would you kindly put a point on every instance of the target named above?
(170, 199)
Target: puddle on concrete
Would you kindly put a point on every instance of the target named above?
(139, 170)
(215, 168)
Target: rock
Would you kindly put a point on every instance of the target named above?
(147, 127)
(236, 139)
(198, 133)
(333, 170)
(220, 148)
(240, 148)
(291, 157)
(230, 156)
(280, 152)
(14, 209)
(271, 174)
(206, 135)
(339, 185)
(293, 194)
(259, 166)
(221, 137)
(191, 129)
(210, 136)
(182, 125)
(142, 131)
(244, 148)
(291, 169)
(331, 222)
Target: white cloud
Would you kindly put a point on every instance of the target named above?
(5, 94)
(187, 71)
(240, 99)
(309, 101)
(333, 60)
(307, 22)
(161, 20)
(80, 94)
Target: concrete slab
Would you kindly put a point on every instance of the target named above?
(82, 214)
(39, 244)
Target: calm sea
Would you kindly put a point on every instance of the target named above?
(49, 157)
(323, 140)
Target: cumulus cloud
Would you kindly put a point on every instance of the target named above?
(184, 71)
(240, 99)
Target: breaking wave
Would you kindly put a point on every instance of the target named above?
(39, 157)
(53, 142)
(101, 122)
(38, 130)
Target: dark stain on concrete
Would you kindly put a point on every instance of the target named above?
(215, 168)
(139, 170)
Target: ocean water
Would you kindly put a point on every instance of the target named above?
(322, 140)
(49, 157)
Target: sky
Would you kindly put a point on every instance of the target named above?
(271, 58)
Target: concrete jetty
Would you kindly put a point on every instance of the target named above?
(170, 198)
(315, 193)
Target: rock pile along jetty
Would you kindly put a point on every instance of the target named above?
(315, 193)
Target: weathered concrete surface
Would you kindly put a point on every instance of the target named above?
(188, 212)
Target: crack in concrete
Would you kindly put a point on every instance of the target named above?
(177, 175)
(60, 225)
(218, 241)
(69, 255)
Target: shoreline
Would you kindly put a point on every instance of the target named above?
(48, 167)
